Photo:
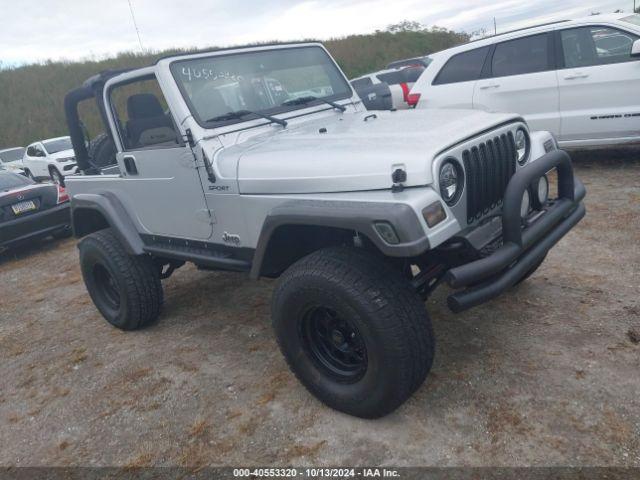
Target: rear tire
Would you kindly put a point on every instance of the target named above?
(353, 331)
(126, 289)
(29, 174)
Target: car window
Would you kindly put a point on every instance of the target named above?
(404, 75)
(463, 67)
(39, 151)
(590, 46)
(11, 180)
(31, 151)
(521, 56)
(361, 82)
(57, 145)
(12, 155)
(142, 115)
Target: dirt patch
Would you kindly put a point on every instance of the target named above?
(547, 374)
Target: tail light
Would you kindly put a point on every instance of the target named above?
(63, 196)
(410, 99)
(413, 99)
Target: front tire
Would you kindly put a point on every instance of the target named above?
(56, 176)
(125, 288)
(353, 331)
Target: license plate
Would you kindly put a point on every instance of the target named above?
(22, 207)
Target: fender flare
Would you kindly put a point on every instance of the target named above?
(352, 215)
(115, 214)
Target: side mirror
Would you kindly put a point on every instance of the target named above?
(635, 49)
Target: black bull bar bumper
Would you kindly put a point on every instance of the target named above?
(522, 248)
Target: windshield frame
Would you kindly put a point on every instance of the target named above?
(348, 95)
(52, 140)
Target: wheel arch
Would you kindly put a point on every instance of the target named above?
(298, 228)
(92, 212)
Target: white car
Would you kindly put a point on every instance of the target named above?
(53, 158)
(11, 159)
(579, 79)
(388, 89)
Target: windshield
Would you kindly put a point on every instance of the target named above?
(9, 181)
(12, 155)
(264, 82)
(55, 146)
(634, 19)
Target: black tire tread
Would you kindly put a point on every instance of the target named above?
(142, 280)
(398, 308)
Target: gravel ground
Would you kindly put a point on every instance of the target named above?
(546, 375)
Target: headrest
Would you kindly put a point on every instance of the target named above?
(144, 105)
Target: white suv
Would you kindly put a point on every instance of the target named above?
(53, 158)
(579, 79)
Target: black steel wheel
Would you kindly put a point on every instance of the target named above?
(107, 288)
(334, 343)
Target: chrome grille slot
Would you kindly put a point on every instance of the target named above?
(489, 166)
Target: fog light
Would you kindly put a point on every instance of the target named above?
(525, 205)
(434, 214)
(387, 232)
(543, 190)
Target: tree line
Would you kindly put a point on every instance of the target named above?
(32, 96)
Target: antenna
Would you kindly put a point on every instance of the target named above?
(495, 26)
(135, 25)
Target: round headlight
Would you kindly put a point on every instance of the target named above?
(543, 190)
(451, 181)
(525, 205)
(522, 145)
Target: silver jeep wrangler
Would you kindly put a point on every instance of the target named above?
(263, 160)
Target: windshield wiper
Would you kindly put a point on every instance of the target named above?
(311, 98)
(238, 114)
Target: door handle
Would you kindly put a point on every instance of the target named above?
(488, 87)
(576, 76)
(130, 165)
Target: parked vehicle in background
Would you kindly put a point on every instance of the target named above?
(579, 79)
(50, 159)
(11, 159)
(410, 62)
(388, 89)
(29, 210)
(360, 216)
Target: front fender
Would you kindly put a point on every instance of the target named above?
(356, 216)
(112, 210)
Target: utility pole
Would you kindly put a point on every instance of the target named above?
(495, 25)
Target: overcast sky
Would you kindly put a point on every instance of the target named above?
(35, 30)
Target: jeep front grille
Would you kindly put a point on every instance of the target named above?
(489, 166)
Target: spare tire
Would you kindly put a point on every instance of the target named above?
(102, 151)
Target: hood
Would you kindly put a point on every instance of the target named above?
(63, 154)
(354, 152)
